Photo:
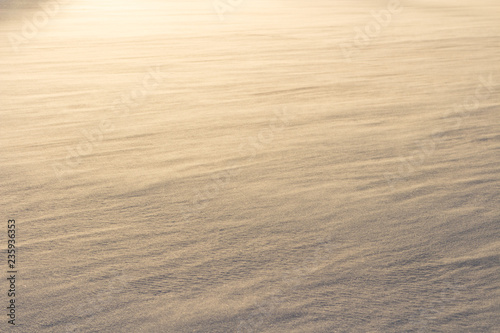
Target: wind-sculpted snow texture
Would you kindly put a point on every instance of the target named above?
(267, 166)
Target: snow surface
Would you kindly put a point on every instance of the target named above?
(242, 175)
